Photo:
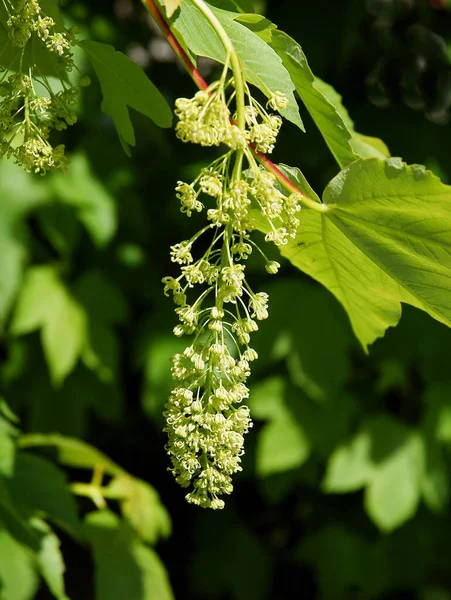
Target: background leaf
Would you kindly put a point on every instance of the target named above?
(124, 84)
(124, 566)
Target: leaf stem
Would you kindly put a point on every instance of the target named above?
(175, 44)
(236, 68)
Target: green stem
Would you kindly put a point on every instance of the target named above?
(234, 60)
(203, 85)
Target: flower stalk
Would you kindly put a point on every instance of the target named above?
(203, 85)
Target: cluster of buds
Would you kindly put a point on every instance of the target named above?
(30, 107)
(205, 417)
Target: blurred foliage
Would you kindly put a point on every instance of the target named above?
(346, 478)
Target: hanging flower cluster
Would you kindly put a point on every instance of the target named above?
(30, 108)
(206, 419)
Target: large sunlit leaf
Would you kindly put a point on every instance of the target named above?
(385, 238)
(262, 65)
(125, 85)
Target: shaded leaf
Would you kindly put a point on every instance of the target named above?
(124, 84)
(13, 521)
(39, 486)
(235, 545)
(20, 194)
(45, 303)
(388, 459)
(125, 568)
(282, 445)
(94, 205)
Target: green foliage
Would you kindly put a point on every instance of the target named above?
(124, 566)
(345, 486)
(261, 65)
(373, 255)
(125, 85)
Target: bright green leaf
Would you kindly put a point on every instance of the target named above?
(72, 452)
(262, 66)
(124, 84)
(282, 445)
(94, 205)
(142, 507)
(385, 239)
(19, 194)
(349, 467)
(388, 459)
(17, 575)
(171, 6)
(395, 489)
(267, 399)
(362, 145)
(50, 560)
(258, 24)
(45, 303)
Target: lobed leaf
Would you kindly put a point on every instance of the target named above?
(125, 85)
(45, 303)
(384, 239)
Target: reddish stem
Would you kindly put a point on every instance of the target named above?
(203, 85)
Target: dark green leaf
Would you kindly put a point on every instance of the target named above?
(39, 486)
(124, 84)
(85, 193)
(125, 568)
